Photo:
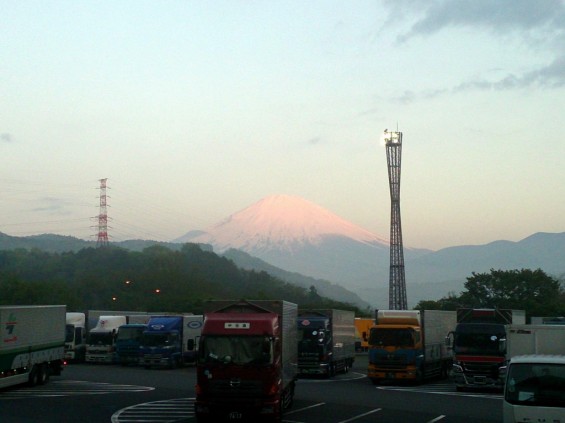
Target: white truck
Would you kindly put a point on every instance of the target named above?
(535, 389)
(75, 336)
(101, 342)
(535, 339)
(32, 347)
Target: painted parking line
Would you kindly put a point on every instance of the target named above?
(441, 389)
(64, 388)
(164, 411)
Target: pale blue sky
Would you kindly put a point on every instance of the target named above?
(195, 110)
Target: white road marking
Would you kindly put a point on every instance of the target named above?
(361, 415)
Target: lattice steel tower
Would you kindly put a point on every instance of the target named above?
(397, 281)
(102, 239)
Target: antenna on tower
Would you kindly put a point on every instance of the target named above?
(102, 239)
(397, 281)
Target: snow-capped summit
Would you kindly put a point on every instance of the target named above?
(280, 223)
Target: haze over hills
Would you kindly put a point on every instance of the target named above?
(298, 236)
(304, 244)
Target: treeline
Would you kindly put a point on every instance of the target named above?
(531, 290)
(155, 279)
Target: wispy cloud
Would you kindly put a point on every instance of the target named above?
(5, 137)
(499, 16)
(540, 24)
(52, 205)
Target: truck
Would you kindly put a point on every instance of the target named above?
(101, 343)
(326, 341)
(247, 361)
(479, 346)
(534, 339)
(128, 339)
(362, 328)
(170, 341)
(75, 337)
(409, 345)
(32, 347)
(533, 389)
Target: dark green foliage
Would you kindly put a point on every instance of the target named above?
(531, 290)
(155, 279)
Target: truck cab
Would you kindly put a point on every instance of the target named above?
(101, 344)
(128, 343)
(247, 361)
(161, 342)
(479, 346)
(75, 336)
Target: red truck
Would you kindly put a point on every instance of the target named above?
(479, 346)
(247, 362)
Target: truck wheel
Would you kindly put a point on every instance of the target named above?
(42, 374)
(32, 379)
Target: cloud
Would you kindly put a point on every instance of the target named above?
(500, 16)
(5, 137)
(52, 205)
(539, 24)
(315, 141)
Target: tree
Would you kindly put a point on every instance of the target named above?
(531, 290)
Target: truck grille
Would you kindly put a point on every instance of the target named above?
(481, 368)
(391, 362)
(152, 356)
(236, 387)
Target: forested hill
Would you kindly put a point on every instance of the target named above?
(155, 279)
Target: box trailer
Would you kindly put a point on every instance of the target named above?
(326, 341)
(32, 347)
(409, 345)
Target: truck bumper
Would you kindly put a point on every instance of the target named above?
(128, 359)
(321, 369)
(99, 358)
(157, 361)
(242, 409)
(464, 380)
(376, 373)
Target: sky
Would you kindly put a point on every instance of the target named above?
(196, 110)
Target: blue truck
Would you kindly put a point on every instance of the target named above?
(170, 341)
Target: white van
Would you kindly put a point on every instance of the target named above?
(535, 389)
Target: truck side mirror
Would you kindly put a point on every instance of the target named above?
(449, 340)
(502, 345)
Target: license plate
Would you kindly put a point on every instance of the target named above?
(480, 379)
(235, 415)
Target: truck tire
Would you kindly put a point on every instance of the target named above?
(43, 374)
(32, 379)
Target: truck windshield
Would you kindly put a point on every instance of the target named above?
(157, 339)
(381, 337)
(69, 333)
(540, 385)
(239, 350)
(478, 339)
(100, 339)
(130, 333)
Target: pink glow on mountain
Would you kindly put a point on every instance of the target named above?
(282, 222)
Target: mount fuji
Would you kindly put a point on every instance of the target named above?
(297, 235)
